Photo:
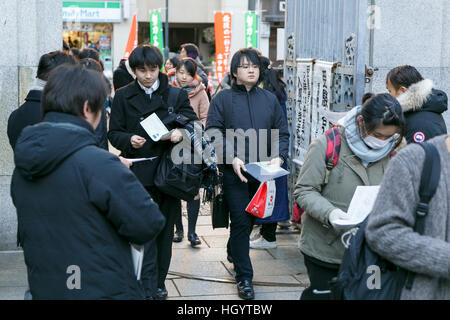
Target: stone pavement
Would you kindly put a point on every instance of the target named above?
(282, 268)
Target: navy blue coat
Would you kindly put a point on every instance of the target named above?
(78, 205)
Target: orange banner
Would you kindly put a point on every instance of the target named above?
(222, 30)
(132, 39)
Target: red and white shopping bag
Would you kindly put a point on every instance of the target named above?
(263, 201)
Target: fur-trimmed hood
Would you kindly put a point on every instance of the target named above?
(422, 96)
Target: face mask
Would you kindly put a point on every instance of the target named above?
(375, 143)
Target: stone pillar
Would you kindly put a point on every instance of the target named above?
(28, 29)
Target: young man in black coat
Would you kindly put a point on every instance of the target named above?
(78, 206)
(255, 110)
(422, 104)
(30, 112)
(149, 94)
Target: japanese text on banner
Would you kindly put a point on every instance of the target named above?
(251, 30)
(156, 32)
(222, 29)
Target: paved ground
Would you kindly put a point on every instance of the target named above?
(281, 268)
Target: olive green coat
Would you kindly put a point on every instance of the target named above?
(318, 238)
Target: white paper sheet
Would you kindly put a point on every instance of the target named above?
(262, 171)
(137, 253)
(140, 159)
(154, 127)
(361, 205)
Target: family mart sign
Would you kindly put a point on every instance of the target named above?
(105, 11)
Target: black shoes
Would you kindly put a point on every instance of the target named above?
(161, 294)
(245, 290)
(178, 237)
(193, 238)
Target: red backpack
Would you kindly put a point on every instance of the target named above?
(331, 160)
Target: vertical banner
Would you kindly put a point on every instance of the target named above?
(321, 99)
(251, 29)
(132, 39)
(302, 112)
(156, 34)
(222, 30)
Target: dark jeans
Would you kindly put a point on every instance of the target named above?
(320, 274)
(158, 253)
(193, 207)
(268, 231)
(238, 196)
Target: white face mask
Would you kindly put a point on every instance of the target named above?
(375, 143)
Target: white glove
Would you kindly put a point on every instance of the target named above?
(337, 214)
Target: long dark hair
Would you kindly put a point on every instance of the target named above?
(383, 109)
(272, 82)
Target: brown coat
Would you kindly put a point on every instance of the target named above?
(199, 102)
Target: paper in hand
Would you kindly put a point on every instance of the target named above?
(155, 128)
(361, 205)
(137, 254)
(140, 159)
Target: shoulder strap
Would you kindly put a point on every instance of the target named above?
(429, 182)
(228, 107)
(333, 149)
(172, 98)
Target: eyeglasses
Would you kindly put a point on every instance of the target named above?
(247, 66)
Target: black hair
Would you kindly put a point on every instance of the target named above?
(190, 66)
(251, 55)
(272, 82)
(91, 64)
(50, 61)
(383, 109)
(174, 61)
(146, 55)
(69, 87)
(367, 96)
(75, 52)
(65, 46)
(89, 53)
(403, 76)
(265, 63)
(191, 50)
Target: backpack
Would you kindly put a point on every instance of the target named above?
(360, 265)
(331, 160)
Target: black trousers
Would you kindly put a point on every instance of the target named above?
(320, 274)
(193, 208)
(238, 196)
(158, 253)
(268, 231)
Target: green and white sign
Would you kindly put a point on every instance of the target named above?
(251, 30)
(156, 32)
(105, 11)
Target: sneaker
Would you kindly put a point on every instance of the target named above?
(262, 243)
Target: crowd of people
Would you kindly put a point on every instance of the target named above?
(78, 204)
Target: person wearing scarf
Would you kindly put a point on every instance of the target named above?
(188, 80)
(368, 135)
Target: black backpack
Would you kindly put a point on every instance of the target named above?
(360, 264)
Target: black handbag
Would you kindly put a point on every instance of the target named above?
(220, 213)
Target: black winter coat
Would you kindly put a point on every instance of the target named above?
(30, 113)
(423, 107)
(254, 109)
(78, 205)
(27, 114)
(132, 105)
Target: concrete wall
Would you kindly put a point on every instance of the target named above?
(28, 29)
(414, 32)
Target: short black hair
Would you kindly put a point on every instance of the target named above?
(191, 50)
(367, 96)
(89, 53)
(251, 55)
(403, 76)
(69, 87)
(91, 64)
(190, 66)
(50, 61)
(75, 52)
(174, 61)
(146, 55)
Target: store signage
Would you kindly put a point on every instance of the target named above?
(156, 32)
(251, 30)
(106, 11)
(222, 30)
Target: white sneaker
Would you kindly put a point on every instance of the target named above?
(262, 243)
